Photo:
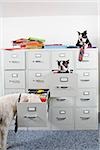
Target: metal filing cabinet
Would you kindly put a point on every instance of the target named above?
(73, 103)
(86, 108)
(14, 71)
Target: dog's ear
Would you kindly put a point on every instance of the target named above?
(85, 32)
(78, 32)
(24, 98)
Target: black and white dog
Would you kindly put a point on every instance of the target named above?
(83, 43)
(63, 66)
(83, 40)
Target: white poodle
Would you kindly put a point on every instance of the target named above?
(8, 109)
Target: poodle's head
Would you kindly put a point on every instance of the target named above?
(29, 98)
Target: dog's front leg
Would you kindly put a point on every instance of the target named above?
(4, 134)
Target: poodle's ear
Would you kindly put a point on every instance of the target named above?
(24, 98)
(78, 32)
(0, 120)
(85, 32)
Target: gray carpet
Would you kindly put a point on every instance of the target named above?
(53, 140)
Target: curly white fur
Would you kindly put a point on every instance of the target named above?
(8, 108)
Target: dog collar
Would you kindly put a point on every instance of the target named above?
(16, 119)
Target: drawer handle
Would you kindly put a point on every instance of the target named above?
(30, 117)
(14, 75)
(38, 74)
(60, 119)
(62, 87)
(85, 80)
(86, 55)
(85, 118)
(62, 55)
(86, 74)
(38, 55)
(60, 99)
(14, 56)
(84, 99)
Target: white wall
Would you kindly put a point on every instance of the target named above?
(54, 29)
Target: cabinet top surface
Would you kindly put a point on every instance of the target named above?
(52, 49)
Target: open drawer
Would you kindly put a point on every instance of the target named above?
(62, 84)
(32, 114)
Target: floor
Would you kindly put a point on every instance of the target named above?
(53, 140)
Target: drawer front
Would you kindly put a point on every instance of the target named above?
(86, 118)
(14, 60)
(63, 56)
(87, 98)
(87, 78)
(12, 91)
(14, 79)
(62, 101)
(90, 59)
(32, 114)
(36, 79)
(62, 118)
(38, 60)
(62, 84)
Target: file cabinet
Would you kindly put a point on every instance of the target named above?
(73, 103)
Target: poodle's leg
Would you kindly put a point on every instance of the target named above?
(4, 138)
(4, 132)
(0, 138)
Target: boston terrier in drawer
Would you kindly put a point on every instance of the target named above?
(8, 110)
(63, 66)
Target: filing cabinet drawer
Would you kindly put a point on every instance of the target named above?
(86, 118)
(63, 56)
(32, 114)
(62, 118)
(62, 101)
(12, 91)
(15, 79)
(87, 78)
(90, 59)
(38, 60)
(62, 84)
(37, 79)
(14, 60)
(87, 98)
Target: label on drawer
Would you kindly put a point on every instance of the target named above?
(62, 112)
(31, 109)
(86, 74)
(63, 79)
(86, 93)
(86, 111)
